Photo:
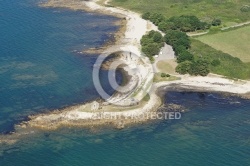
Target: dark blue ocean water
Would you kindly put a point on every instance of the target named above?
(38, 72)
(214, 131)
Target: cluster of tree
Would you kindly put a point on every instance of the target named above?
(177, 39)
(186, 62)
(175, 35)
(180, 43)
(182, 23)
(152, 43)
(198, 67)
(155, 18)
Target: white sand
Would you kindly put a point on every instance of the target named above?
(136, 26)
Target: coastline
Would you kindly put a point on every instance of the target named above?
(73, 116)
(82, 115)
(79, 5)
(114, 40)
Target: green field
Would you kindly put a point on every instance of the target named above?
(230, 67)
(229, 11)
(234, 42)
(221, 46)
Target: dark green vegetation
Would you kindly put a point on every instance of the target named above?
(216, 22)
(220, 62)
(159, 77)
(245, 8)
(199, 67)
(165, 75)
(179, 40)
(229, 11)
(152, 43)
(194, 57)
(182, 23)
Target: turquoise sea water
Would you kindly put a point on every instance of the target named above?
(215, 131)
(39, 72)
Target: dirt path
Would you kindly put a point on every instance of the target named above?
(235, 26)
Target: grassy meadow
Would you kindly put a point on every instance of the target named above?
(234, 42)
(167, 66)
(230, 47)
(158, 78)
(231, 67)
(229, 11)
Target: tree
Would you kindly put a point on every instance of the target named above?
(200, 67)
(187, 23)
(146, 15)
(184, 67)
(177, 38)
(166, 25)
(145, 40)
(151, 49)
(183, 41)
(179, 49)
(152, 43)
(157, 37)
(184, 23)
(185, 56)
(156, 18)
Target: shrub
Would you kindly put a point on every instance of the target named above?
(156, 18)
(245, 8)
(216, 22)
(146, 15)
(200, 67)
(215, 62)
(185, 56)
(184, 67)
(165, 75)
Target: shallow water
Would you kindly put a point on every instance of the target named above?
(214, 131)
(38, 70)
